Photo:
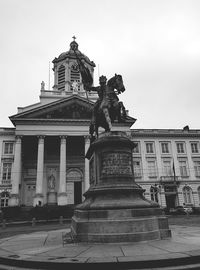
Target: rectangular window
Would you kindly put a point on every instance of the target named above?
(183, 168)
(167, 168)
(165, 147)
(6, 176)
(197, 168)
(152, 168)
(194, 147)
(4, 202)
(149, 148)
(180, 147)
(8, 148)
(187, 195)
(137, 168)
(136, 148)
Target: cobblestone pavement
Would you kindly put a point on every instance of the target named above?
(47, 246)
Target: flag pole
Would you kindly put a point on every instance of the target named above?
(49, 76)
(174, 172)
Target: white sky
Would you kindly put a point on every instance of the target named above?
(153, 44)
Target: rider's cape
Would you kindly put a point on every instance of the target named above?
(85, 72)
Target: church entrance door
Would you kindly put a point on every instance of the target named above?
(77, 192)
(29, 194)
(74, 185)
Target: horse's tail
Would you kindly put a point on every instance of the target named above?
(107, 117)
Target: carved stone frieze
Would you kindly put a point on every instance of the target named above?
(116, 163)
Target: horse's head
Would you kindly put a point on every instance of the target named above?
(117, 83)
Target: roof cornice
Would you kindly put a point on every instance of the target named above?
(169, 133)
(51, 104)
(36, 121)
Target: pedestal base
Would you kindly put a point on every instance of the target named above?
(115, 209)
(62, 198)
(52, 197)
(108, 226)
(118, 214)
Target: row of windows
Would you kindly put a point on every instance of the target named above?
(168, 168)
(150, 149)
(166, 147)
(187, 195)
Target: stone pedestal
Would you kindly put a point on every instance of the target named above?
(115, 209)
(52, 197)
(62, 198)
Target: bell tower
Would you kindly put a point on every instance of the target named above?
(67, 77)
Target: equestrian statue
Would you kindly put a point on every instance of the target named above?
(107, 108)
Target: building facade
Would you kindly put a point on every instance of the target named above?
(43, 155)
(167, 165)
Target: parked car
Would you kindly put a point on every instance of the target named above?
(188, 210)
(179, 210)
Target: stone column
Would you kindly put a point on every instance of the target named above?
(62, 195)
(87, 165)
(16, 173)
(38, 200)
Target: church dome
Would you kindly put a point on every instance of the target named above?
(71, 54)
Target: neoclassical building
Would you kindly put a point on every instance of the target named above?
(43, 155)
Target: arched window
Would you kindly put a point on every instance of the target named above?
(187, 195)
(4, 199)
(61, 78)
(75, 76)
(74, 175)
(154, 193)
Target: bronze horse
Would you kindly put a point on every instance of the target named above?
(110, 108)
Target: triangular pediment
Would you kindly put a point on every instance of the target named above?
(74, 107)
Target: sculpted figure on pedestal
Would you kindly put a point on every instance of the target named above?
(107, 108)
(51, 182)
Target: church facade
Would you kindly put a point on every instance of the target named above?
(43, 155)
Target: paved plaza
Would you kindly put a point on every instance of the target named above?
(45, 250)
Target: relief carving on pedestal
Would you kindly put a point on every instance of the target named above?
(116, 164)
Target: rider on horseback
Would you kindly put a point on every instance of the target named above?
(101, 89)
(107, 108)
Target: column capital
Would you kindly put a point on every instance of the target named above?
(41, 138)
(63, 137)
(18, 138)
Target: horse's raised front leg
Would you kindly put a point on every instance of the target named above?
(107, 117)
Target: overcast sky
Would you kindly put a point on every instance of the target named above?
(153, 44)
